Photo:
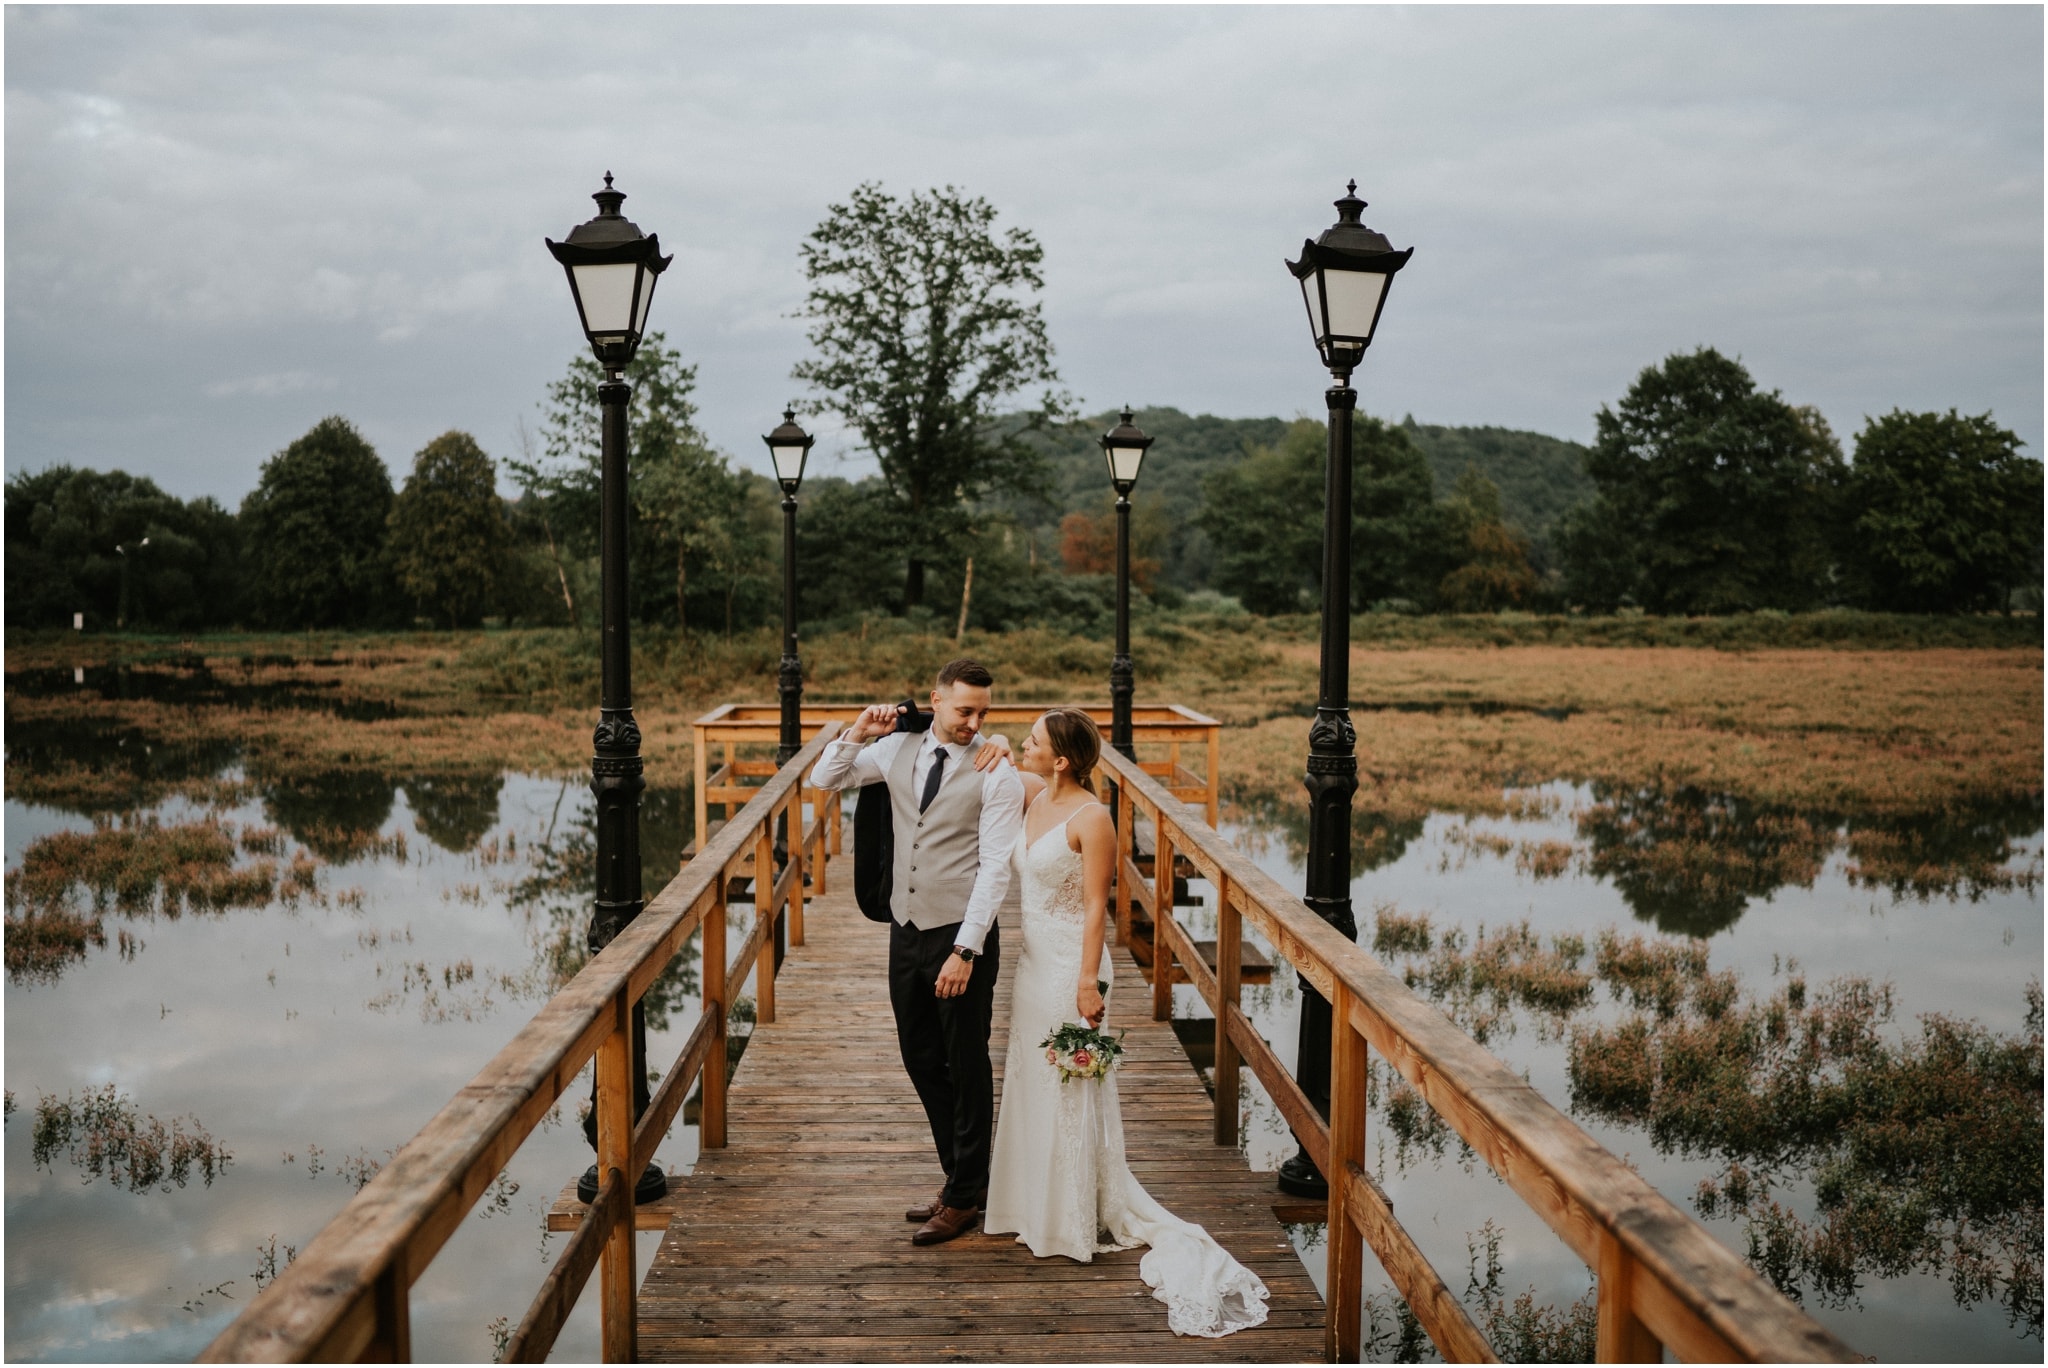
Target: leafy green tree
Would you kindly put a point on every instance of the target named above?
(314, 532)
(924, 320)
(62, 528)
(1941, 514)
(687, 503)
(1495, 572)
(1711, 496)
(1264, 516)
(450, 540)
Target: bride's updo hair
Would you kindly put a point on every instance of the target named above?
(1077, 740)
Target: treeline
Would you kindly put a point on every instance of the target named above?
(1701, 495)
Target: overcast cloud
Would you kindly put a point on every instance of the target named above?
(223, 224)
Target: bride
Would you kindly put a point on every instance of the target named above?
(1058, 1180)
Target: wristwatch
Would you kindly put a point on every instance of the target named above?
(966, 955)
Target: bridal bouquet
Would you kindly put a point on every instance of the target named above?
(1081, 1051)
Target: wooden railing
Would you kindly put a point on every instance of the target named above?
(1663, 1279)
(346, 1296)
(726, 777)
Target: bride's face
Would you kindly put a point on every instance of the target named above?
(1038, 758)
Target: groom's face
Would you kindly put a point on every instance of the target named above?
(958, 710)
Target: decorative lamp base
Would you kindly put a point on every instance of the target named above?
(652, 1187)
(1297, 1178)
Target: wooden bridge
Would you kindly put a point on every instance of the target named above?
(786, 1242)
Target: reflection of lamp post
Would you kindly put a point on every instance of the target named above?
(612, 271)
(121, 550)
(1344, 277)
(789, 445)
(1123, 446)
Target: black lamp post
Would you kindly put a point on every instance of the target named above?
(1123, 446)
(1344, 276)
(789, 445)
(612, 271)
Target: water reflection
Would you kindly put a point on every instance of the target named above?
(189, 682)
(454, 810)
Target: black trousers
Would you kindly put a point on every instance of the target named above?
(944, 1042)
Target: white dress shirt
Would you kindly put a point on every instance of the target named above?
(849, 764)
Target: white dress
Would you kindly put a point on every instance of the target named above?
(1058, 1179)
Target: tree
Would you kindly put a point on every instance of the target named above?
(684, 496)
(1495, 573)
(449, 536)
(62, 528)
(314, 532)
(924, 321)
(1711, 496)
(1940, 513)
(1264, 516)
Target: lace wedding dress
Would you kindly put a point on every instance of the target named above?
(1058, 1180)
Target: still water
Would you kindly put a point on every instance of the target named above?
(312, 1034)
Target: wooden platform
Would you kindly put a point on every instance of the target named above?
(790, 1244)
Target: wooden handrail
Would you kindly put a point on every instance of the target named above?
(1663, 1279)
(346, 1295)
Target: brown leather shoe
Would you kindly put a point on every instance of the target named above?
(947, 1223)
(924, 1212)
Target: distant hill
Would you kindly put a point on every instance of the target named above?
(1539, 477)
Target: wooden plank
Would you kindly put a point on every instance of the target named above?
(827, 1143)
(1229, 962)
(1279, 1084)
(652, 1128)
(1344, 1284)
(543, 1321)
(1440, 1313)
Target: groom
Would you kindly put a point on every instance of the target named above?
(957, 806)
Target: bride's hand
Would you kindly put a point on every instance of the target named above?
(1088, 1002)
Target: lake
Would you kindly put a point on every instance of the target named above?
(305, 1023)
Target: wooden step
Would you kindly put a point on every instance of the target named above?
(1253, 966)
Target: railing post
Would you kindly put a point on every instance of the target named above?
(1229, 978)
(700, 766)
(392, 1340)
(764, 906)
(796, 862)
(1618, 1336)
(1215, 780)
(614, 1159)
(1162, 913)
(1347, 1149)
(821, 833)
(711, 1113)
(1126, 858)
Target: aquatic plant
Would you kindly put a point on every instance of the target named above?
(41, 944)
(1923, 1153)
(104, 1134)
(1522, 1331)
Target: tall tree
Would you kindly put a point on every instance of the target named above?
(314, 532)
(449, 535)
(1711, 496)
(925, 319)
(63, 526)
(1495, 572)
(1264, 516)
(684, 495)
(1941, 514)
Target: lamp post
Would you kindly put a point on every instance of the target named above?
(1123, 446)
(789, 445)
(1344, 276)
(121, 549)
(612, 271)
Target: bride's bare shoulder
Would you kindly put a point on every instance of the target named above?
(1091, 824)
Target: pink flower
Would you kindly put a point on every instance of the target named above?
(1082, 1059)
(1052, 1056)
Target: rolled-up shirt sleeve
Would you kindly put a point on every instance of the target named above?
(850, 764)
(1002, 817)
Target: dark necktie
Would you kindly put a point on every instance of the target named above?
(931, 783)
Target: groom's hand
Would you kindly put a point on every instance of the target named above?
(953, 977)
(879, 720)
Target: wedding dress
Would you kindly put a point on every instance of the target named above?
(1058, 1180)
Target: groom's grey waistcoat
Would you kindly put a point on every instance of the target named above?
(938, 851)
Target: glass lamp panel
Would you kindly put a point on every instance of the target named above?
(1124, 462)
(1310, 297)
(606, 293)
(647, 279)
(789, 462)
(1354, 301)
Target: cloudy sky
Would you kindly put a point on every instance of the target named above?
(225, 223)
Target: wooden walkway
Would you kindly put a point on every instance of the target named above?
(790, 1245)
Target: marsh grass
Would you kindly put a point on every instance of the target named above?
(104, 1134)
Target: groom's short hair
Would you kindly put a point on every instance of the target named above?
(965, 671)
